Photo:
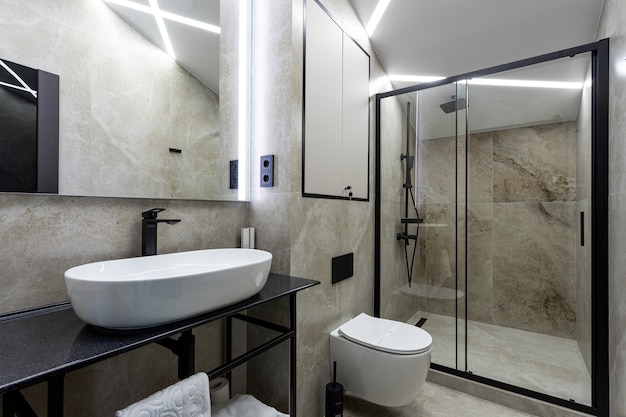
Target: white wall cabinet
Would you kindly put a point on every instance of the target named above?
(336, 110)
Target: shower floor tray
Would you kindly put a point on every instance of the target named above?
(543, 363)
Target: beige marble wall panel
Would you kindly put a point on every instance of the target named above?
(394, 270)
(535, 164)
(534, 267)
(321, 230)
(57, 233)
(303, 233)
(438, 232)
(480, 262)
(528, 164)
(612, 25)
(437, 162)
(480, 168)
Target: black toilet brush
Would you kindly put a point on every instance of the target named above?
(334, 396)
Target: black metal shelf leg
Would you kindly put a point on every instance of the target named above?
(56, 396)
(186, 354)
(292, 356)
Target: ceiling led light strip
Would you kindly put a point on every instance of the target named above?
(24, 87)
(161, 25)
(379, 11)
(526, 83)
(494, 82)
(415, 78)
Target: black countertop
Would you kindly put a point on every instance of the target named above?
(38, 345)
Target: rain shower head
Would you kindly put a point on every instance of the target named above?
(453, 105)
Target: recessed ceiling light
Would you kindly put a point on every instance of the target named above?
(376, 16)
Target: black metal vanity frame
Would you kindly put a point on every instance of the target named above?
(47, 343)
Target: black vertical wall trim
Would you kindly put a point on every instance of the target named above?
(600, 230)
(377, 214)
(304, 4)
(466, 197)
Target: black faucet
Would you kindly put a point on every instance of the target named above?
(149, 230)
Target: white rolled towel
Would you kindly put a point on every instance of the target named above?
(187, 398)
(245, 406)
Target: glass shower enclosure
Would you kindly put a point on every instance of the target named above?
(491, 223)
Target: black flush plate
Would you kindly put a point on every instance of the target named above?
(343, 267)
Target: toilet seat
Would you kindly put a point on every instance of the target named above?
(386, 335)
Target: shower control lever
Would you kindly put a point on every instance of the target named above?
(406, 237)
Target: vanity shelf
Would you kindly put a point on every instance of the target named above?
(47, 343)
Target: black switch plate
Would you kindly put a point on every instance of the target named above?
(343, 267)
(267, 171)
(234, 174)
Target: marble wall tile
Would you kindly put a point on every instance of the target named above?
(480, 262)
(534, 267)
(305, 233)
(535, 163)
(480, 175)
(503, 166)
(612, 26)
(437, 168)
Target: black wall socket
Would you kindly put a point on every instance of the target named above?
(234, 174)
(267, 171)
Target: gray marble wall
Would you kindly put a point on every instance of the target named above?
(394, 274)
(613, 26)
(521, 226)
(304, 234)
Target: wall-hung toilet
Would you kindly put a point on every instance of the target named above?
(382, 361)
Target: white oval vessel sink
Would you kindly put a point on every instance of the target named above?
(149, 291)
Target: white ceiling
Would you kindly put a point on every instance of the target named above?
(450, 37)
(430, 38)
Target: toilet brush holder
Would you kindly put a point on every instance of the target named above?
(334, 396)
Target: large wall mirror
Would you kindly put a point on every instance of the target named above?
(148, 94)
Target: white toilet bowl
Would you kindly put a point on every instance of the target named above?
(382, 361)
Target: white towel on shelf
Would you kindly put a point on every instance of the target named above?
(187, 398)
(245, 406)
